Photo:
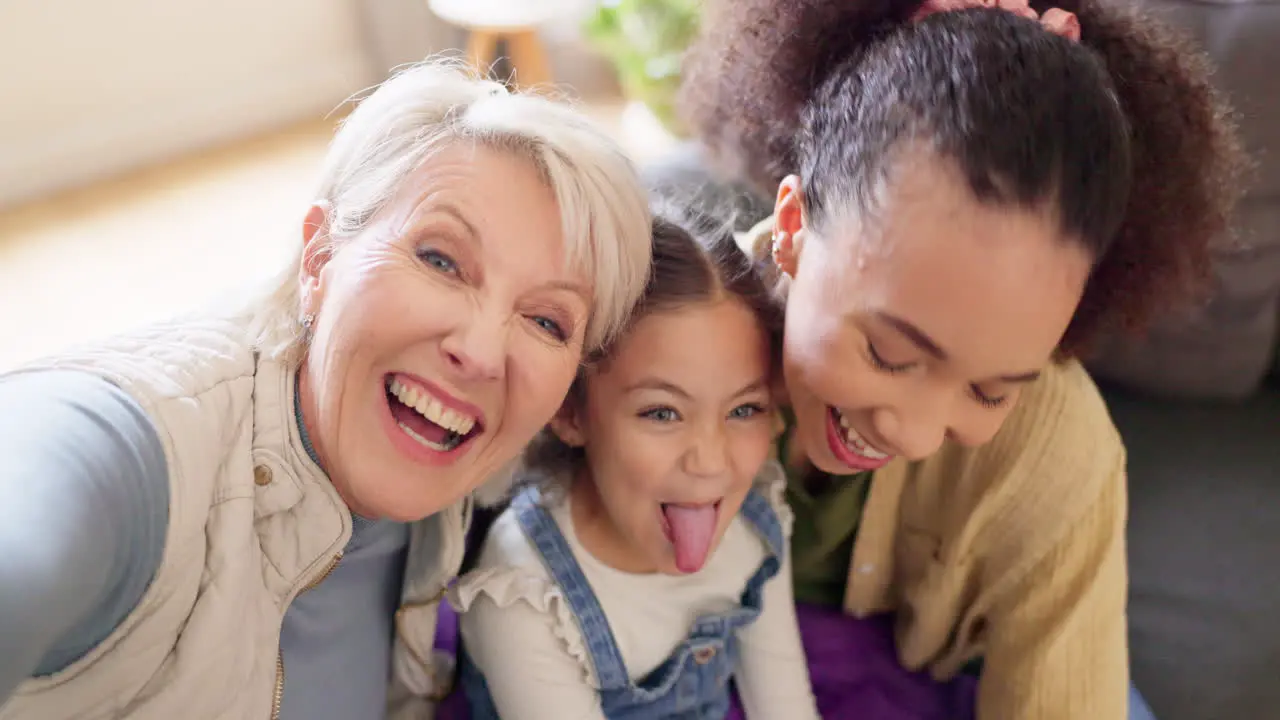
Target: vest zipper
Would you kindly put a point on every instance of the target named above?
(279, 692)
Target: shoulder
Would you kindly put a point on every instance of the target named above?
(771, 486)
(511, 594)
(507, 545)
(180, 358)
(195, 378)
(509, 571)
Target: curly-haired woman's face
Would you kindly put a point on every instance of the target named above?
(922, 328)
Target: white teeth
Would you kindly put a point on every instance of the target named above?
(856, 442)
(434, 446)
(431, 409)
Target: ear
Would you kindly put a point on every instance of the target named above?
(567, 424)
(788, 225)
(316, 252)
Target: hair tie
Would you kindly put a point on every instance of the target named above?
(1055, 20)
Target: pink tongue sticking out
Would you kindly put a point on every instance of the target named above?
(692, 529)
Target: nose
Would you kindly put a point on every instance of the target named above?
(913, 433)
(708, 455)
(477, 348)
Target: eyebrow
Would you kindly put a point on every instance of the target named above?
(570, 286)
(922, 340)
(474, 235)
(917, 336)
(652, 383)
(456, 214)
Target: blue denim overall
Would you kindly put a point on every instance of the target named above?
(691, 684)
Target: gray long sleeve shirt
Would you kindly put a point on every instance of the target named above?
(84, 498)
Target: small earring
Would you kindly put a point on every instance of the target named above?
(776, 250)
(307, 321)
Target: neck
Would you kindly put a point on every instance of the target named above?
(597, 532)
(307, 413)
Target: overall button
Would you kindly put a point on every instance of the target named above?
(703, 655)
(262, 476)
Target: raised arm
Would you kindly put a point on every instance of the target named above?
(84, 506)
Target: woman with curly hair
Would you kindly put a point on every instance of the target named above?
(967, 195)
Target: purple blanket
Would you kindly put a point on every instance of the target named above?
(852, 664)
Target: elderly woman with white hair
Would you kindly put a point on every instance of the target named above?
(254, 515)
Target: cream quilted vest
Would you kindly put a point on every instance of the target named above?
(253, 522)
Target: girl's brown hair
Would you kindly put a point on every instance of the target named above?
(1120, 135)
(696, 260)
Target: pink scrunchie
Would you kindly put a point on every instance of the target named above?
(1055, 20)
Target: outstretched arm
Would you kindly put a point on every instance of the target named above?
(84, 505)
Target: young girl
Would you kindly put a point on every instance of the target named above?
(642, 564)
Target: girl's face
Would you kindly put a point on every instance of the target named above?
(923, 329)
(675, 426)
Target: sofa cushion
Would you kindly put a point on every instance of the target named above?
(1204, 532)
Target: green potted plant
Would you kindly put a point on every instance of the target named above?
(646, 40)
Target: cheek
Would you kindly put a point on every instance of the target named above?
(539, 378)
(979, 425)
(752, 445)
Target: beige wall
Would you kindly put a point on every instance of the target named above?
(91, 88)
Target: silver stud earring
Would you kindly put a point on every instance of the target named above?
(776, 250)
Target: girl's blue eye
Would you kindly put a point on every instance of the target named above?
(661, 414)
(551, 327)
(744, 412)
(438, 260)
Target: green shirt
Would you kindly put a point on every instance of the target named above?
(827, 509)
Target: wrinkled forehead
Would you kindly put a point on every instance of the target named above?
(500, 202)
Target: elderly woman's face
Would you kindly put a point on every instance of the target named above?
(446, 334)
(924, 329)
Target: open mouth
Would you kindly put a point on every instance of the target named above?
(429, 420)
(691, 530)
(851, 447)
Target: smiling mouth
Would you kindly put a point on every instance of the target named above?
(426, 418)
(852, 441)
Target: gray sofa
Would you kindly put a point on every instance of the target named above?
(1199, 406)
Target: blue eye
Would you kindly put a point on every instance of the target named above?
(661, 414)
(438, 260)
(551, 327)
(743, 412)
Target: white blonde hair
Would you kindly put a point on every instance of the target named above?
(603, 205)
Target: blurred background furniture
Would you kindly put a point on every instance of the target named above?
(510, 25)
(1198, 404)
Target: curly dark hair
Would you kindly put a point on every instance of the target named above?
(1121, 134)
